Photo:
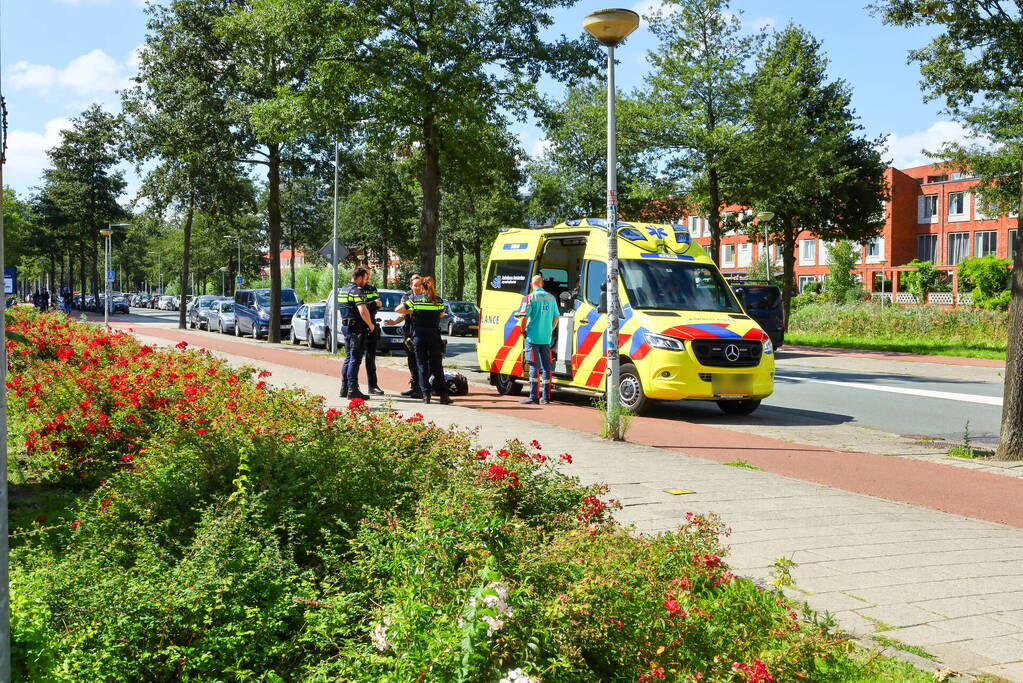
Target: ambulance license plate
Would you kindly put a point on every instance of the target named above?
(732, 386)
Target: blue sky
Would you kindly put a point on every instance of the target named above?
(58, 56)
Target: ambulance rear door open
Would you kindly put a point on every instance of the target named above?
(561, 265)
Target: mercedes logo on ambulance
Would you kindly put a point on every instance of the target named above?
(732, 352)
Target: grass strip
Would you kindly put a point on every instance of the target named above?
(901, 345)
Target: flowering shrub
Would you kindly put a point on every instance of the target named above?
(251, 534)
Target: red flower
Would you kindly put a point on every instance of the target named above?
(41, 519)
(482, 454)
(75, 524)
(201, 431)
(354, 404)
(104, 504)
(263, 373)
(181, 345)
(671, 604)
(565, 457)
(260, 384)
(500, 473)
(535, 444)
(65, 353)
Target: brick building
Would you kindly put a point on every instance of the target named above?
(932, 215)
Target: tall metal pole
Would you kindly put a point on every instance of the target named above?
(106, 284)
(333, 269)
(5, 616)
(613, 370)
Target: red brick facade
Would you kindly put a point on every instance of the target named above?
(931, 215)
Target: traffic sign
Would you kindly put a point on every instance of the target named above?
(333, 247)
(111, 275)
(238, 280)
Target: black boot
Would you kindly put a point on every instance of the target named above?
(355, 393)
(426, 398)
(414, 392)
(376, 391)
(344, 389)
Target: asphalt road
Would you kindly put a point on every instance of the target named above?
(909, 401)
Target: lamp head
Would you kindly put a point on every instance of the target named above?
(765, 216)
(611, 26)
(106, 232)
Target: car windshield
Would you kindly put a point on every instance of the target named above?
(317, 312)
(206, 303)
(762, 298)
(226, 307)
(676, 285)
(462, 307)
(288, 298)
(389, 300)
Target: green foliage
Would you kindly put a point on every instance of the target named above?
(892, 326)
(841, 285)
(988, 278)
(621, 412)
(926, 278)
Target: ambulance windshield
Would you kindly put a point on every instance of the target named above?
(676, 285)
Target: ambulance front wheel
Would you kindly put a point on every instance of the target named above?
(744, 407)
(506, 386)
(630, 389)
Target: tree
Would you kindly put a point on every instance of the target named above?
(975, 64)
(697, 107)
(988, 276)
(82, 188)
(807, 163)
(426, 69)
(841, 286)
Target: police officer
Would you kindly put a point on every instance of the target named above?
(357, 324)
(416, 283)
(427, 309)
(373, 304)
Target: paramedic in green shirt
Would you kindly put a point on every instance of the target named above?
(539, 312)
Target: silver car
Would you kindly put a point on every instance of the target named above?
(309, 325)
(221, 316)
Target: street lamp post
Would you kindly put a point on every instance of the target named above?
(107, 269)
(333, 266)
(238, 264)
(764, 217)
(159, 270)
(882, 263)
(223, 290)
(610, 27)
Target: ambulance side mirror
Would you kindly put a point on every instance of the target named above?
(602, 306)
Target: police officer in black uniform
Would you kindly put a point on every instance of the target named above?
(357, 325)
(416, 283)
(427, 309)
(373, 304)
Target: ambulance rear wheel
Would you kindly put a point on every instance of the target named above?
(630, 389)
(744, 407)
(505, 385)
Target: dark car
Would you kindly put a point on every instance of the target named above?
(119, 304)
(763, 303)
(198, 311)
(463, 318)
(252, 311)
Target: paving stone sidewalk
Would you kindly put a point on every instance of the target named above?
(949, 585)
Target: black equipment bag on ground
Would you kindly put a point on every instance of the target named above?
(457, 384)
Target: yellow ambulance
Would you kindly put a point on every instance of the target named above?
(682, 332)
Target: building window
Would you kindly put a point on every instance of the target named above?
(804, 280)
(807, 252)
(956, 203)
(875, 250)
(694, 226)
(958, 247)
(1012, 244)
(985, 242)
(745, 255)
(728, 255)
(930, 208)
(927, 248)
(937, 178)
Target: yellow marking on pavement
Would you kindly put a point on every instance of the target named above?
(678, 492)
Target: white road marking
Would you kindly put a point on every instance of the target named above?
(923, 393)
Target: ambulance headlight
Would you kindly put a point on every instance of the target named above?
(660, 341)
(768, 346)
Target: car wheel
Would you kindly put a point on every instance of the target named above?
(237, 329)
(744, 407)
(505, 385)
(630, 390)
(294, 339)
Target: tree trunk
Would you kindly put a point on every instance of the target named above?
(1010, 442)
(186, 259)
(714, 192)
(96, 249)
(83, 273)
(429, 222)
(789, 259)
(292, 262)
(460, 276)
(477, 248)
(273, 207)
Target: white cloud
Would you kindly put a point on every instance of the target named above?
(908, 150)
(93, 73)
(653, 8)
(762, 23)
(26, 153)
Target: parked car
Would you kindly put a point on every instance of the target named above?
(221, 316)
(198, 311)
(252, 311)
(119, 304)
(309, 325)
(463, 318)
(166, 303)
(392, 325)
(763, 303)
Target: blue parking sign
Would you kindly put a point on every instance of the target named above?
(110, 276)
(238, 280)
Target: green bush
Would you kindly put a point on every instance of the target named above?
(925, 279)
(988, 279)
(841, 286)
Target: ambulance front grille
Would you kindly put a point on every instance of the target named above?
(728, 353)
(705, 376)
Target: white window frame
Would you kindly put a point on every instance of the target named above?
(927, 209)
(807, 252)
(694, 226)
(980, 210)
(876, 244)
(805, 280)
(964, 213)
(1013, 243)
(949, 252)
(825, 258)
(929, 237)
(744, 255)
(728, 255)
(985, 236)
